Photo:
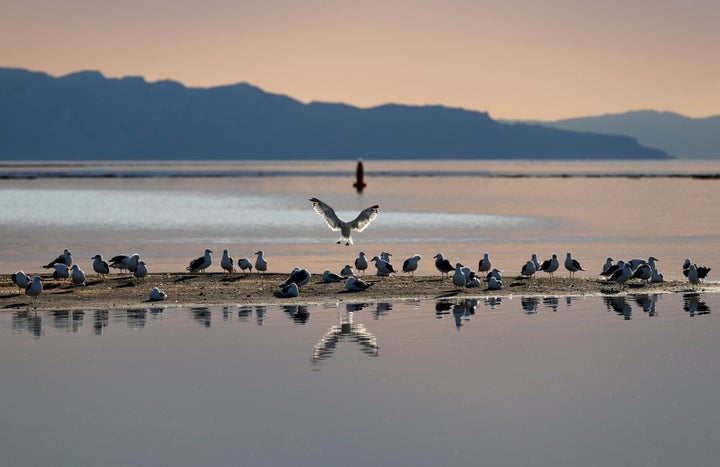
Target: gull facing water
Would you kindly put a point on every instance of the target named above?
(360, 223)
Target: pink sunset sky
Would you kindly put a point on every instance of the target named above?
(516, 59)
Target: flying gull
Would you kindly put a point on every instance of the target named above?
(360, 223)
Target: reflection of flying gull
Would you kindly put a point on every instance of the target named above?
(360, 223)
(345, 330)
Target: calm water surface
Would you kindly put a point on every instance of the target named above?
(169, 213)
(513, 381)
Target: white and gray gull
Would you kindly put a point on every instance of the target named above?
(359, 224)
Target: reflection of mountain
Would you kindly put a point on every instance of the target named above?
(345, 330)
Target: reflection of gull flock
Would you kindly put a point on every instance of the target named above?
(619, 273)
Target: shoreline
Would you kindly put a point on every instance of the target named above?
(218, 289)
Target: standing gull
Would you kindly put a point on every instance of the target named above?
(572, 265)
(484, 264)
(383, 267)
(244, 263)
(459, 279)
(361, 262)
(61, 272)
(360, 223)
(260, 262)
(200, 264)
(35, 288)
(621, 276)
(550, 265)
(78, 275)
(442, 264)
(141, 271)
(65, 258)
(21, 279)
(119, 262)
(100, 266)
(227, 262)
(411, 264)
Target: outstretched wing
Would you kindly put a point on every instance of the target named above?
(327, 213)
(363, 219)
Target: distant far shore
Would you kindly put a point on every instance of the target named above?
(212, 289)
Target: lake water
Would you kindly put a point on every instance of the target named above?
(553, 381)
(542, 381)
(169, 213)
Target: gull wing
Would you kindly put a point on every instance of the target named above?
(327, 213)
(363, 219)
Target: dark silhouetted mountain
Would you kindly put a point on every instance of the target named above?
(84, 116)
(683, 137)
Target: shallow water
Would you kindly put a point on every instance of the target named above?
(169, 213)
(514, 381)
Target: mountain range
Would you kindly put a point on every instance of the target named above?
(680, 136)
(86, 116)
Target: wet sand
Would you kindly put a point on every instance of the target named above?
(123, 291)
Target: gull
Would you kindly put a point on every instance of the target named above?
(608, 264)
(157, 295)
(459, 280)
(494, 284)
(550, 265)
(328, 276)
(621, 276)
(611, 270)
(78, 275)
(360, 223)
(702, 271)
(199, 264)
(298, 276)
(119, 262)
(528, 269)
(356, 285)
(535, 261)
(383, 267)
(289, 291)
(347, 271)
(361, 263)
(141, 271)
(442, 264)
(21, 279)
(484, 264)
(132, 262)
(100, 266)
(61, 272)
(35, 288)
(244, 263)
(494, 273)
(411, 264)
(692, 275)
(385, 256)
(634, 263)
(65, 258)
(572, 265)
(643, 272)
(260, 262)
(227, 262)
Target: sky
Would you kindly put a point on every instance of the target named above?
(515, 59)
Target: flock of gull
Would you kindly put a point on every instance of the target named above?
(463, 277)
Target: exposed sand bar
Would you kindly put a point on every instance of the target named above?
(213, 289)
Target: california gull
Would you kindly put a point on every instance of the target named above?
(100, 266)
(199, 264)
(78, 275)
(227, 263)
(65, 258)
(572, 265)
(359, 224)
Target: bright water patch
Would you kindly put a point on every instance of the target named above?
(157, 210)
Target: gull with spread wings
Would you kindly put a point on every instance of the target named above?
(360, 223)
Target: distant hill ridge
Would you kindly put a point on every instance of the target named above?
(86, 116)
(683, 137)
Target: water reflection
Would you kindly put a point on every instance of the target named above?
(462, 310)
(202, 316)
(345, 330)
(694, 306)
(298, 313)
